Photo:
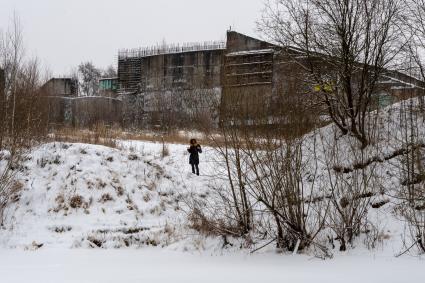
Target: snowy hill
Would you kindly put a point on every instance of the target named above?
(81, 195)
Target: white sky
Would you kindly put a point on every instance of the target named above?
(63, 33)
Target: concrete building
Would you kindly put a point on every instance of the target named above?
(243, 77)
(63, 87)
(163, 84)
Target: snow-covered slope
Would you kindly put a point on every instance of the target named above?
(81, 195)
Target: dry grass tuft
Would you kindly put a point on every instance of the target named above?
(209, 226)
(105, 198)
(76, 201)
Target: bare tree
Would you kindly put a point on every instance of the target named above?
(109, 72)
(282, 178)
(414, 33)
(11, 56)
(90, 76)
(344, 46)
(350, 187)
(411, 194)
(22, 119)
(415, 23)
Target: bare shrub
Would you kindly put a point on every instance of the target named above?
(105, 198)
(351, 191)
(22, 117)
(374, 236)
(76, 201)
(165, 151)
(133, 157)
(23, 121)
(232, 162)
(411, 194)
(7, 185)
(277, 166)
(95, 242)
(147, 197)
(209, 226)
(119, 190)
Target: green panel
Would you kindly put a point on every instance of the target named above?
(108, 84)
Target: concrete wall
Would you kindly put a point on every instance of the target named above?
(83, 111)
(240, 42)
(2, 83)
(247, 78)
(183, 71)
(87, 111)
(172, 83)
(64, 87)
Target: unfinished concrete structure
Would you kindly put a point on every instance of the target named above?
(169, 84)
(247, 77)
(243, 77)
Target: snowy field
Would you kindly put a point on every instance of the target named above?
(156, 265)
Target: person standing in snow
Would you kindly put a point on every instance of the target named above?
(194, 151)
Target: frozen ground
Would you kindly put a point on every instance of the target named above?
(158, 265)
(89, 213)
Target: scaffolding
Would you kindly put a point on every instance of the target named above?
(129, 74)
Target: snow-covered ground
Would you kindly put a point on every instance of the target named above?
(81, 195)
(156, 265)
(89, 213)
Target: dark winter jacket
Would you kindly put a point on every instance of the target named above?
(194, 151)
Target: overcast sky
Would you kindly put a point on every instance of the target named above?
(64, 33)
